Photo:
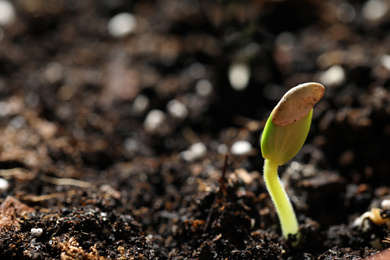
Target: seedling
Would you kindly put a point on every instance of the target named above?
(283, 136)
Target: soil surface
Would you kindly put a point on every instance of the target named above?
(113, 146)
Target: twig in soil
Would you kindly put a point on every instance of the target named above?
(222, 189)
(222, 180)
(386, 240)
(47, 196)
(65, 181)
(18, 173)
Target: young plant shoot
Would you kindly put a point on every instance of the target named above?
(283, 136)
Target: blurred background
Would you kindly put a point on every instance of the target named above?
(111, 80)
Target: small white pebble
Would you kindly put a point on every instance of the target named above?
(385, 61)
(285, 40)
(177, 109)
(196, 70)
(199, 149)
(53, 72)
(187, 156)
(241, 148)
(203, 87)
(154, 120)
(17, 122)
(132, 145)
(385, 204)
(140, 104)
(104, 216)
(4, 108)
(253, 222)
(239, 74)
(333, 77)
(4, 184)
(121, 25)
(149, 238)
(345, 13)
(222, 149)
(36, 232)
(7, 13)
(195, 151)
(296, 166)
(374, 10)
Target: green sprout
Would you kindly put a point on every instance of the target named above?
(283, 136)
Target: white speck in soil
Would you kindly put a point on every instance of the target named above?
(195, 151)
(7, 13)
(177, 109)
(241, 148)
(333, 77)
(140, 105)
(239, 74)
(203, 87)
(374, 10)
(121, 25)
(36, 232)
(4, 184)
(345, 13)
(154, 120)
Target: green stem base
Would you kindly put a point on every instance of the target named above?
(284, 209)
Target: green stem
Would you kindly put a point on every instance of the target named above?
(279, 197)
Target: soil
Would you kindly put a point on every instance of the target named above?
(114, 147)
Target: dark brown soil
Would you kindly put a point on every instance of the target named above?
(89, 178)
